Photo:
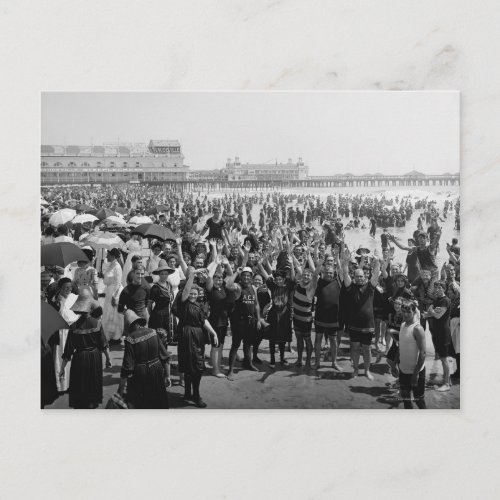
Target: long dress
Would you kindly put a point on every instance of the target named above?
(70, 317)
(143, 364)
(84, 347)
(160, 316)
(47, 376)
(112, 320)
(279, 316)
(191, 348)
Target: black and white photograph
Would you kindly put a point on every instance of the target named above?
(250, 250)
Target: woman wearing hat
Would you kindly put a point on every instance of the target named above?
(84, 347)
(85, 274)
(191, 348)
(143, 365)
(162, 297)
(112, 320)
(280, 312)
(63, 301)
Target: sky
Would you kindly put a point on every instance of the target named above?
(333, 132)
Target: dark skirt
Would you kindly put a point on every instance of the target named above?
(160, 318)
(281, 326)
(48, 377)
(191, 349)
(146, 388)
(85, 383)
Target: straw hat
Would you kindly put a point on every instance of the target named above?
(362, 250)
(131, 318)
(163, 267)
(85, 302)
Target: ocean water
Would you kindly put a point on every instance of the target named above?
(360, 237)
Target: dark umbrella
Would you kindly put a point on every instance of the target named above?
(50, 321)
(83, 207)
(104, 213)
(61, 254)
(157, 209)
(154, 231)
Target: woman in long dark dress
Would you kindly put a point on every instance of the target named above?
(191, 348)
(84, 347)
(280, 313)
(161, 296)
(143, 367)
(47, 376)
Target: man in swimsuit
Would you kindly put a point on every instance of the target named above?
(359, 296)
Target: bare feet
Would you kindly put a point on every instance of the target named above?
(297, 364)
(308, 366)
(337, 367)
(230, 375)
(317, 366)
(369, 376)
(354, 374)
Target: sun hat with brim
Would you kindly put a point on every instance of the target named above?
(163, 268)
(362, 250)
(131, 318)
(247, 270)
(85, 302)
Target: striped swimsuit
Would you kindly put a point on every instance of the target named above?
(302, 310)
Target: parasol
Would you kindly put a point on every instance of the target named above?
(140, 219)
(62, 216)
(83, 218)
(104, 213)
(50, 321)
(61, 254)
(113, 220)
(154, 231)
(103, 239)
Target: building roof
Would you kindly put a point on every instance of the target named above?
(414, 173)
(164, 143)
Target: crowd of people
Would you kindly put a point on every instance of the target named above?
(230, 278)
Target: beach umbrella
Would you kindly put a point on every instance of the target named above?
(83, 207)
(154, 231)
(113, 220)
(104, 213)
(121, 210)
(157, 209)
(140, 219)
(62, 216)
(81, 219)
(61, 254)
(103, 239)
(50, 321)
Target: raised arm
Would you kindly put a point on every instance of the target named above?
(189, 284)
(397, 243)
(346, 257)
(182, 262)
(375, 273)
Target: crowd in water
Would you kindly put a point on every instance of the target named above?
(252, 270)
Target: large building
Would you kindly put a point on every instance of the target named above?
(237, 171)
(156, 162)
